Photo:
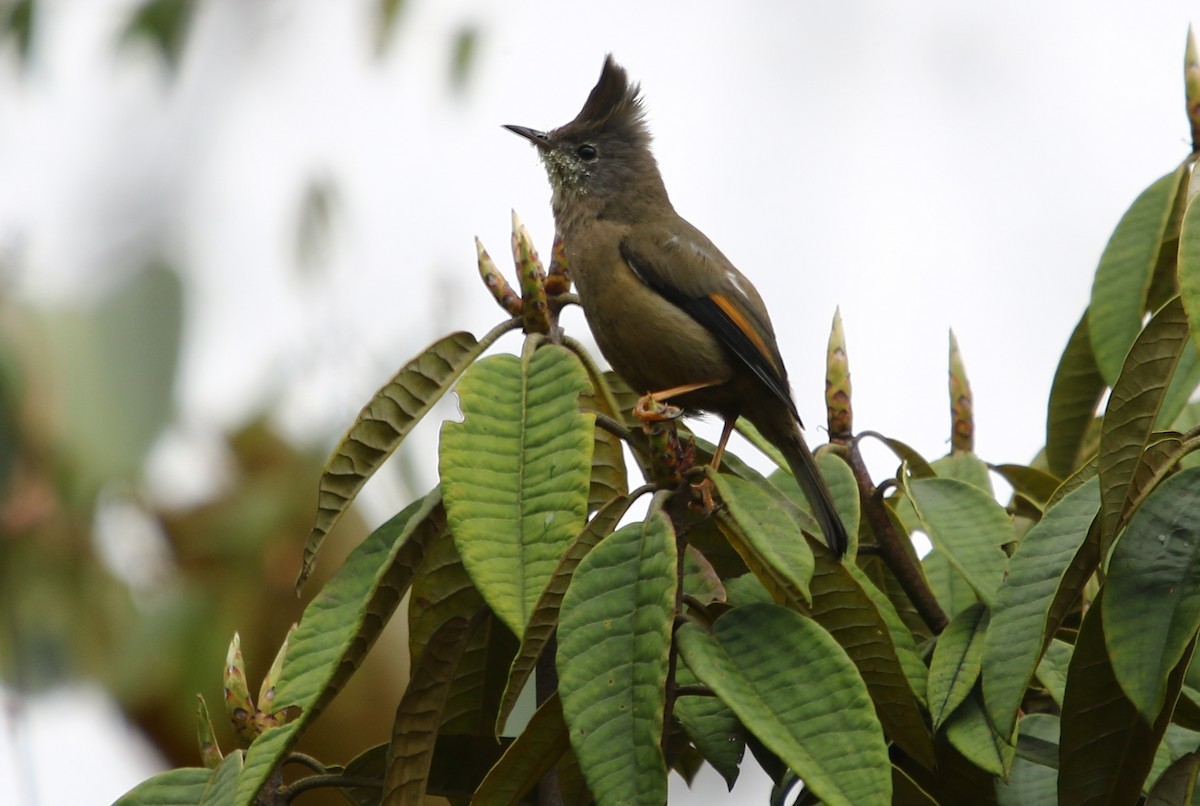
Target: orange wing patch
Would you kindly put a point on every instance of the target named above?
(744, 325)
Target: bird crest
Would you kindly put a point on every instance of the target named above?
(614, 106)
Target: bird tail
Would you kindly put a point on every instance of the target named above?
(812, 484)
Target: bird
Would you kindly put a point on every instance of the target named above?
(670, 313)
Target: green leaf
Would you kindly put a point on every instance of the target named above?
(340, 625)
(1152, 603)
(1045, 575)
(968, 526)
(792, 685)
(839, 478)
(700, 579)
(419, 714)
(1189, 267)
(515, 474)
(609, 478)
(1177, 742)
(478, 687)
(441, 590)
(383, 424)
(184, 786)
(1107, 747)
(965, 466)
(953, 592)
(969, 733)
(1036, 485)
(223, 787)
(527, 759)
(1133, 407)
(863, 622)
(1184, 382)
(714, 729)
(957, 658)
(1074, 395)
(764, 526)
(614, 638)
(1029, 782)
(1052, 670)
(918, 467)
(368, 766)
(544, 620)
(1123, 277)
(1177, 785)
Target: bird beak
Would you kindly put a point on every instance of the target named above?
(539, 139)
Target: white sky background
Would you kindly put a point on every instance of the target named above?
(925, 167)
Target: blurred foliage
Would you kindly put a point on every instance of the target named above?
(163, 24)
(387, 18)
(101, 580)
(17, 21)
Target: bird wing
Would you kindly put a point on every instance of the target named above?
(682, 265)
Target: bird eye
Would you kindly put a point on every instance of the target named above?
(586, 152)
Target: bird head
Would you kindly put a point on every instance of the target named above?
(603, 155)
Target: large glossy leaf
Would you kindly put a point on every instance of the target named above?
(1037, 486)
(957, 658)
(715, 730)
(609, 478)
(1044, 576)
(515, 474)
(1177, 744)
(863, 622)
(544, 619)
(1133, 407)
(384, 423)
(184, 786)
(1107, 747)
(1074, 395)
(969, 732)
(911, 660)
(414, 733)
(1029, 782)
(839, 478)
(953, 591)
(614, 638)
(441, 590)
(792, 685)
(527, 759)
(1052, 670)
(1189, 267)
(340, 625)
(1183, 385)
(965, 466)
(1177, 785)
(1152, 600)
(479, 679)
(765, 529)
(968, 527)
(1123, 277)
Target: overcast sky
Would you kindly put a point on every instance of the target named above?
(923, 166)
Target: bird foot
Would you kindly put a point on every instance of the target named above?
(702, 494)
(649, 410)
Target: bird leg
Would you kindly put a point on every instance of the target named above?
(726, 430)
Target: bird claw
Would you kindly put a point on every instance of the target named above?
(702, 496)
(648, 410)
